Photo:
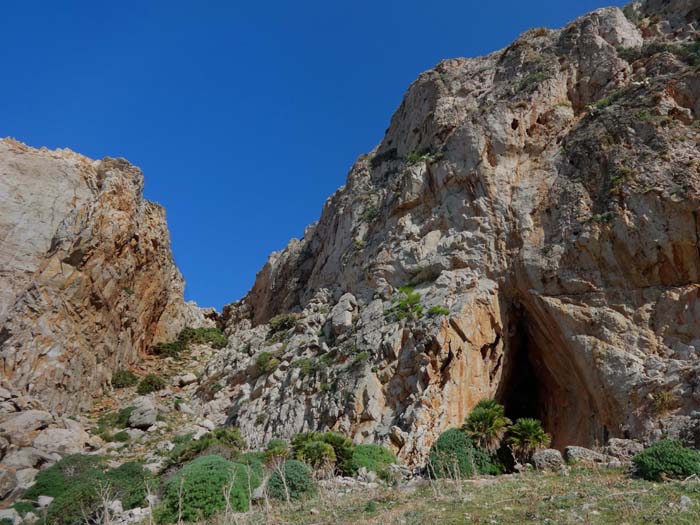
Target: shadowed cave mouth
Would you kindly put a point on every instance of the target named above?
(540, 381)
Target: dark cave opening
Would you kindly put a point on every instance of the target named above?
(542, 380)
(520, 388)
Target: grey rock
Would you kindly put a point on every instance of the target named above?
(145, 413)
(583, 456)
(548, 459)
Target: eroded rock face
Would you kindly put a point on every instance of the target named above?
(543, 202)
(87, 280)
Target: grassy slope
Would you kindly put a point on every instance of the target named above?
(583, 496)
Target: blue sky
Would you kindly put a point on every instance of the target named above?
(244, 116)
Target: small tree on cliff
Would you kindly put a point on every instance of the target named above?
(486, 425)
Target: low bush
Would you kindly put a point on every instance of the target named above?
(318, 454)
(266, 362)
(451, 456)
(120, 437)
(282, 322)
(202, 487)
(296, 484)
(211, 336)
(76, 483)
(150, 383)
(225, 442)
(276, 449)
(373, 457)
(667, 458)
(343, 448)
(124, 379)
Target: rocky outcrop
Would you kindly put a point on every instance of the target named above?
(542, 204)
(87, 280)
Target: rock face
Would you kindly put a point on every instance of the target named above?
(87, 280)
(542, 202)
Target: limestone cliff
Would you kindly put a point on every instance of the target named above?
(542, 202)
(87, 280)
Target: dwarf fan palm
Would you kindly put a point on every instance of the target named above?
(486, 425)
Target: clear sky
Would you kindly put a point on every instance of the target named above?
(244, 116)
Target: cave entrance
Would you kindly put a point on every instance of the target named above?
(520, 390)
(541, 380)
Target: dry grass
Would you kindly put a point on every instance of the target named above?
(583, 496)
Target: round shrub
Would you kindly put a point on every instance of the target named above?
(124, 379)
(150, 383)
(343, 448)
(372, 457)
(451, 456)
(667, 458)
(199, 487)
(317, 454)
(297, 477)
(276, 449)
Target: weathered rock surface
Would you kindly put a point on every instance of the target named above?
(543, 202)
(548, 459)
(87, 280)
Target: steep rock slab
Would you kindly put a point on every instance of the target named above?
(87, 279)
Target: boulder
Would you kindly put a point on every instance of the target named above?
(623, 449)
(21, 426)
(145, 413)
(548, 459)
(62, 440)
(584, 456)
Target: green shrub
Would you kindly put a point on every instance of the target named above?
(22, 507)
(276, 449)
(406, 304)
(128, 484)
(297, 480)
(306, 366)
(121, 437)
(610, 99)
(487, 463)
(112, 420)
(205, 336)
(75, 483)
(150, 383)
(527, 436)
(451, 456)
(373, 457)
(317, 454)
(266, 362)
(438, 310)
(124, 379)
(200, 487)
(211, 336)
(667, 458)
(225, 442)
(282, 322)
(531, 81)
(55, 480)
(343, 448)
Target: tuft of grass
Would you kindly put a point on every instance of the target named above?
(610, 99)
(531, 81)
(438, 310)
